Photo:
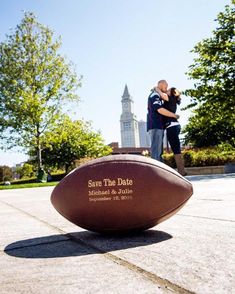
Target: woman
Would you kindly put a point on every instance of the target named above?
(172, 126)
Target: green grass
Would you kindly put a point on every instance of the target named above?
(31, 185)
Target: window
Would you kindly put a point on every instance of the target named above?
(126, 126)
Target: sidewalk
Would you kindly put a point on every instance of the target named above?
(192, 252)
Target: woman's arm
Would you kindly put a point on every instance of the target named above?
(164, 96)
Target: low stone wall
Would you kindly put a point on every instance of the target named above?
(205, 170)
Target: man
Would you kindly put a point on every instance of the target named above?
(155, 123)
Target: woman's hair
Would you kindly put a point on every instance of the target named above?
(175, 92)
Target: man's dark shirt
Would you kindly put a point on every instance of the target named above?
(154, 118)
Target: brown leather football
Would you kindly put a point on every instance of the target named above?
(120, 193)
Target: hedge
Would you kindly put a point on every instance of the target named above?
(54, 178)
(202, 157)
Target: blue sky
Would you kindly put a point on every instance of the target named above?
(118, 42)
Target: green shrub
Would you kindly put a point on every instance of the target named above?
(26, 171)
(169, 159)
(219, 155)
(54, 178)
(188, 157)
(24, 181)
(57, 177)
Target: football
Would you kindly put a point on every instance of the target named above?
(120, 193)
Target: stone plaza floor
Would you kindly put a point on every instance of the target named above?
(192, 252)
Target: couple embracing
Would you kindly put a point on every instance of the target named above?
(162, 105)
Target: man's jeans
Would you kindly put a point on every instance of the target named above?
(156, 137)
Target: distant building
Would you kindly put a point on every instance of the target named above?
(128, 122)
(144, 136)
(133, 132)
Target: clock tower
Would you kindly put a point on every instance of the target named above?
(128, 121)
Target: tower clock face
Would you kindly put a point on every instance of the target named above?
(125, 105)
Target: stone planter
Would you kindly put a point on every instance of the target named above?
(205, 170)
(229, 168)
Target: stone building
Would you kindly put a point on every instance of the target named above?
(128, 122)
(133, 132)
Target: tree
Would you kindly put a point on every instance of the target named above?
(70, 141)
(212, 99)
(5, 173)
(35, 81)
(25, 171)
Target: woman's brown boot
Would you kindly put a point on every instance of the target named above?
(180, 164)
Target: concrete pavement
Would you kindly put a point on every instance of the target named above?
(192, 252)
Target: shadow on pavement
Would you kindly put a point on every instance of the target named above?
(81, 243)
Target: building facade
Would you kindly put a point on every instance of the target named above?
(144, 136)
(128, 122)
(133, 132)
